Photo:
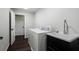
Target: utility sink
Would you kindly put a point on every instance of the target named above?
(36, 30)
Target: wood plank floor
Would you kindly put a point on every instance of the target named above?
(20, 44)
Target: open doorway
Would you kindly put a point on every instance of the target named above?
(18, 41)
(19, 26)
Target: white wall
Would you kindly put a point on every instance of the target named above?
(4, 28)
(19, 24)
(29, 23)
(55, 17)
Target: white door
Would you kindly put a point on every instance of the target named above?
(4, 28)
(12, 27)
(19, 25)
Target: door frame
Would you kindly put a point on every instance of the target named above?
(24, 22)
(9, 29)
(10, 18)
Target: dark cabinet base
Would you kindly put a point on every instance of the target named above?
(56, 44)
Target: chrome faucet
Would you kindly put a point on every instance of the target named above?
(65, 27)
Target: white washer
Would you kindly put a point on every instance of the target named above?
(37, 39)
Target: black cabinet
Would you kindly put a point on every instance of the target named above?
(56, 44)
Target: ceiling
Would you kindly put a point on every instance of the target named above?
(32, 10)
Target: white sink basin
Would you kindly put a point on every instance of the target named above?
(66, 37)
(38, 30)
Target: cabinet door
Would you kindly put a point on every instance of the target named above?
(57, 44)
(50, 45)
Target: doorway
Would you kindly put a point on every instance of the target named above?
(18, 42)
(19, 26)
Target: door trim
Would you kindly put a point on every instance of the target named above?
(9, 29)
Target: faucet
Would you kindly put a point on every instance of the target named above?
(65, 27)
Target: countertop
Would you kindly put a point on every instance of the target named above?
(65, 37)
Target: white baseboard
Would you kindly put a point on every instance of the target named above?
(31, 47)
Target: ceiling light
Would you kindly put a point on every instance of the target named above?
(25, 8)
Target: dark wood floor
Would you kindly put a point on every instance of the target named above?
(20, 44)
